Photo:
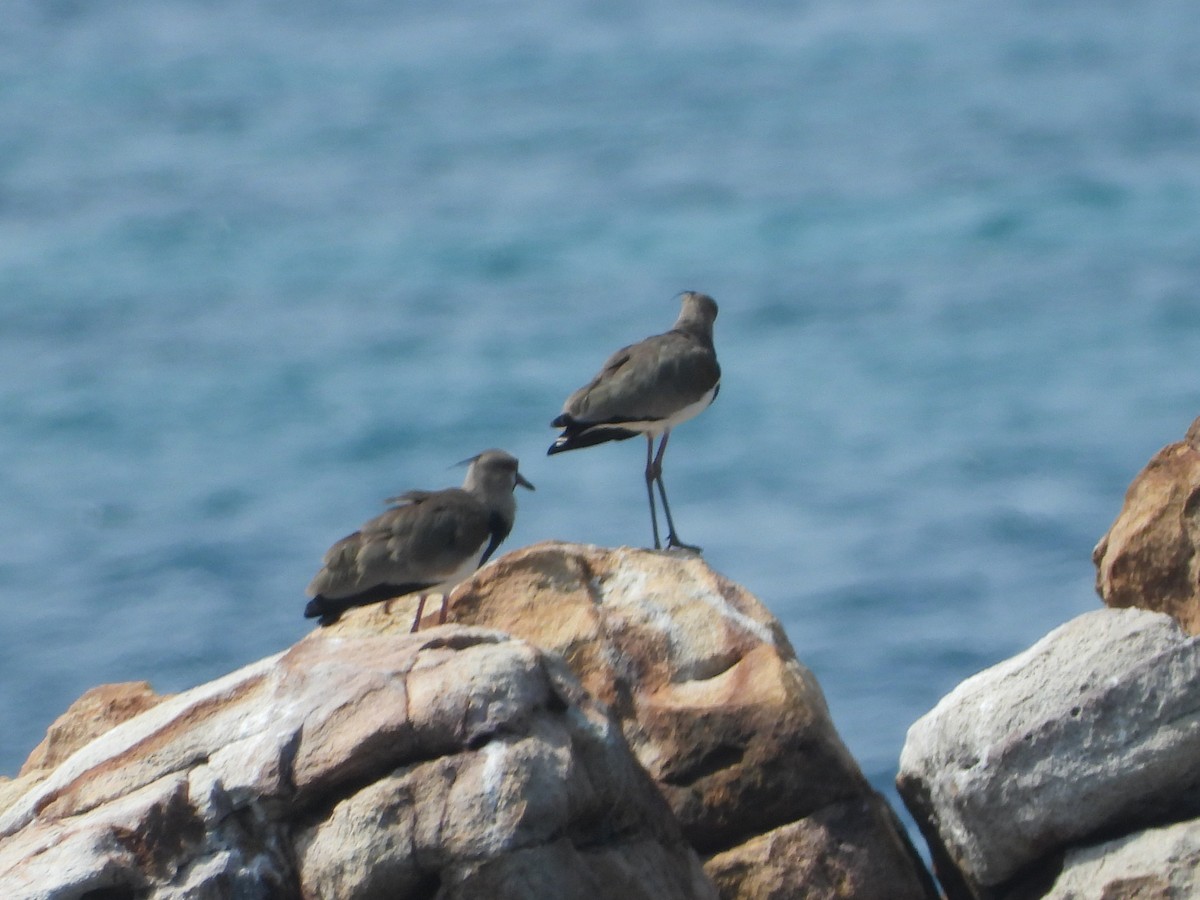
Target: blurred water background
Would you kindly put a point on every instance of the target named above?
(263, 264)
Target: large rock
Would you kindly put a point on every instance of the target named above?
(1155, 864)
(733, 729)
(1149, 558)
(456, 763)
(1094, 730)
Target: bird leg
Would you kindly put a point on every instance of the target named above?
(416, 625)
(445, 600)
(672, 538)
(653, 469)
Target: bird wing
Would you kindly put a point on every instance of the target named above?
(646, 381)
(424, 541)
(408, 497)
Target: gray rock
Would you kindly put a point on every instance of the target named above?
(1094, 728)
(1155, 864)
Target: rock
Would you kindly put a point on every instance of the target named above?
(458, 762)
(1149, 556)
(94, 713)
(732, 728)
(1155, 864)
(848, 849)
(1094, 730)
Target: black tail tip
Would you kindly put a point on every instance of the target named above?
(563, 441)
(578, 437)
(319, 608)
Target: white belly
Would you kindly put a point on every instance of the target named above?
(658, 426)
(462, 573)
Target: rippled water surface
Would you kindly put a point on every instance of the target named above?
(264, 264)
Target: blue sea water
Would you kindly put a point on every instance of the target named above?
(263, 264)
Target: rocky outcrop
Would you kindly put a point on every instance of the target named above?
(1150, 557)
(458, 763)
(593, 723)
(1092, 733)
(733, 729)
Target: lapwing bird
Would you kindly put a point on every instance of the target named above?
(649, 388)
(426, 543)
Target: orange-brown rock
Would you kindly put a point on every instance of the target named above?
(1149, 558)
(94, 713)
(714, 703)
(849, 849)
(646, 713)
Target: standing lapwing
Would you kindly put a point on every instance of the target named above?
(427, 542)
(649, 388)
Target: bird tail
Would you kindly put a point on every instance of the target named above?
(330, 609)
(327, 609)
(576, 434)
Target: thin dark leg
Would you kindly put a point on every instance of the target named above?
(672, 538)
(445, 600)
(651, 475)
(416, 626)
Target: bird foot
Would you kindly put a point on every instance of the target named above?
(674, 542)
